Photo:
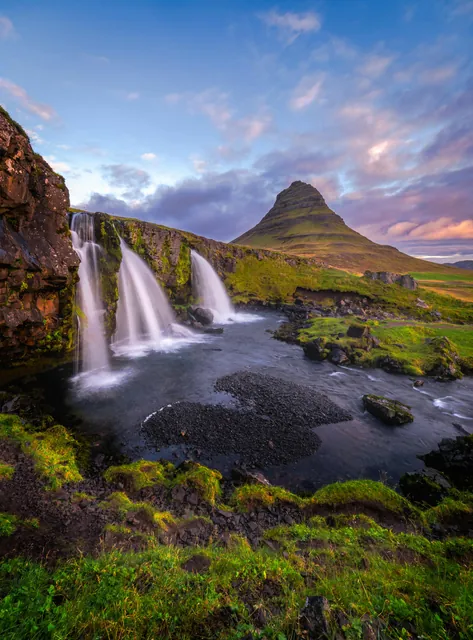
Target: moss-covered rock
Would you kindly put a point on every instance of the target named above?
(140, 474)
(423, 488)
(388, 411)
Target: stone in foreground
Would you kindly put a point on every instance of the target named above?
(388, 411)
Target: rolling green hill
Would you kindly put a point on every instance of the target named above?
(300, 222)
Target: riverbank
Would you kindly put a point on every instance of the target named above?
(149, 549)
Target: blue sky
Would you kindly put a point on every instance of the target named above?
(196, 114)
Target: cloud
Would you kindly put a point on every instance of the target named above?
(34, 136)
(375, 65)
(292, 25)
(438, 75)
(97, 59)
(57, 165)
(462, 8)
(214, 104)
(218, 205)
(306, 92)
(131, 180)
(148, 156)
(133, 95)
(44, 111)
(443, 229)
(7, 30)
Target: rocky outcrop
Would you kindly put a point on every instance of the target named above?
(38, 265)
(405, 280)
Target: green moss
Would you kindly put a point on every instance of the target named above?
(109, 266)
(144, 512)
(8, 524)
(52, 451)
(253, 496)
(205, 481)
(418, 348)
(140, 474)
(6, 471)
(79, 496)
(449, 511)
(183, 266)
(363, 492)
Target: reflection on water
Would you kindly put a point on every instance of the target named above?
(363, 447)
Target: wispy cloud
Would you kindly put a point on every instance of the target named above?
(375, 65)
(306, 92)
(44, 111)
(34, 136)
(97, 58)
(7, 30)
(438, 75)
(131, 180)
(57, 165)
(292, 25)
(132, 95)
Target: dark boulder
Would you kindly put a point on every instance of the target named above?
(454, 459)
(388, 411)
(213, 330)
(358, 331)
(315, 350)
(204, 316)
(424, 488)
(338, 356)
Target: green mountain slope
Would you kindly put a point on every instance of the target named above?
(300, 222)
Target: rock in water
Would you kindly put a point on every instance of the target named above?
(388, 411)
(204, 316)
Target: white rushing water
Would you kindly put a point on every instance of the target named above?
(210, 290)
(145, 319)
(92, 353)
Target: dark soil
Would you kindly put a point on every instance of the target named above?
(272, 424)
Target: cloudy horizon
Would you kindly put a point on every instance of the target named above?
(196, 115)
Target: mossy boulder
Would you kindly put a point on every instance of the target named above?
(424, 488)
(447, 363)
(454, 459)
(388, 411)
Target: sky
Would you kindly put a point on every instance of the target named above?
(196, 114)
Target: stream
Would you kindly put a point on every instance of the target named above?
(187, 370)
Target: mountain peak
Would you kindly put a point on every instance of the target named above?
(299, 195)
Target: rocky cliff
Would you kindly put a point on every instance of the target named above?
(38, 266)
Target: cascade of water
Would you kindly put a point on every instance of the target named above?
(144, 313)
(93, 351)
(210, 290)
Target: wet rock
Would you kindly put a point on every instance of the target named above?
(314, 618)
(425, 487)
(389, 411)
(454, 459)
(315, 350)
(244, 476)
(391, 365)
(338, 356)
(204, 316)
(418, 383)
(197, 564)
(213, 330)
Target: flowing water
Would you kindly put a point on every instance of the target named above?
(363, 447)
(210, 290)
(145, 319)
(92, 352)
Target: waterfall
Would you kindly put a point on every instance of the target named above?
(210, 290)
(144, 316)
(92, 352)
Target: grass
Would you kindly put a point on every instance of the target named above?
(456, 284)
(140, 474)
(150, 517)
(205, 481)
(253, 496)
(417, 346)
(365, 492)
(52, 451)
(6, 471)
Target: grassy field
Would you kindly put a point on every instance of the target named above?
(459, 285)
(414, 345)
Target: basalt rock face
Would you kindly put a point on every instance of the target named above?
(38, 265)
(403, 280)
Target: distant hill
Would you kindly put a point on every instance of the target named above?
(300, 222)
(461, 264)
